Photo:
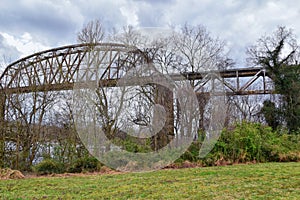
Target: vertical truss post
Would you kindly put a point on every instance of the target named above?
(264, 80)
(237, 81)
(213, 83)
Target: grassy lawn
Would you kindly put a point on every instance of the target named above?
(259, 181)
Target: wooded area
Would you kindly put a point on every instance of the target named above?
(38, 127)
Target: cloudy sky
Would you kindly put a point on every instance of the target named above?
(28, 26)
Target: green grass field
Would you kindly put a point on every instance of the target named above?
(255, 181)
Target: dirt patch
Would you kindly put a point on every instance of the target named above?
(103, 171)
(10, 174)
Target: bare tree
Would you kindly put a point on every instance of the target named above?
(109, 101)
(92, 32)
(199, 50)
(245, 108)
(25, 114)
(129, 36)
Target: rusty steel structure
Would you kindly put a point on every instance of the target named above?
(104, 64)
(59, 68)
(242, 81)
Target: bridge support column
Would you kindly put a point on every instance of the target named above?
(202, 100)
(164, 97)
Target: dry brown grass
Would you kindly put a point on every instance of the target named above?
(10, 174)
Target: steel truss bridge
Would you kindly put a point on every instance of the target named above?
(105, 63)
(60, 68)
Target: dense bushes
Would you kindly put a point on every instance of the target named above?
(49, 166)
(248, 142)
(85, 164)
(241, 143)
(52, 166)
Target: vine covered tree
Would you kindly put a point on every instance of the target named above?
(279, 54)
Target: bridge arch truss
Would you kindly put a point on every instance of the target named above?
(59, 68)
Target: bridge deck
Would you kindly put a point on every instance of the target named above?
(252, 73)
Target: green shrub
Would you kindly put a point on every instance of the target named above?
(132, 145)
(85, 164)
(251, 142)
(191, 154)
(49, 166)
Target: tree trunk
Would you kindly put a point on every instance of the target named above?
(2, 129)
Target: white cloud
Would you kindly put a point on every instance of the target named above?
(129, 11)
(8, 53)
(24, 44)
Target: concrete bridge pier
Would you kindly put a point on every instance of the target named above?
(164, 97)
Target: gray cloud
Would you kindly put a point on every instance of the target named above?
(56, 22)
(240, 23)
(156, 1)
(107, 11)
(48, 21)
